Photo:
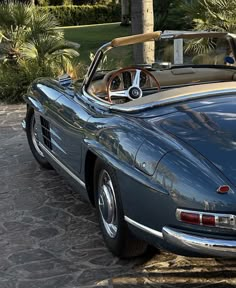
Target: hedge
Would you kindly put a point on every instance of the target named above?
(85, 14)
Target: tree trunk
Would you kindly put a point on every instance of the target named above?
(125, 4)
(143, 22)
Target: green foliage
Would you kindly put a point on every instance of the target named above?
(170, 15)
(210, 15)
(14, 81)
(89, 37)
(215, 15)
(92, 2)
(71, 2)
(30, 47)
(84, 14)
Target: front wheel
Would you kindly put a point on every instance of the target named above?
(32, 137)
(114, 229)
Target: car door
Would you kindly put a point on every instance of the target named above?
(67, 121)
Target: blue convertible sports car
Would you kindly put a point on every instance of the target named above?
(152, 146)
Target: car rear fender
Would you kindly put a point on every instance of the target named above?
(193, 181)
(119, 164)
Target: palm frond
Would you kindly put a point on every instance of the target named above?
(30, 38)
(200, 46)
(28, 51)
(67, 53)
(211, 15)
(62, 45)
(41, 23)
(14, 14)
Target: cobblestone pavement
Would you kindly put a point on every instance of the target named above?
(49, 238)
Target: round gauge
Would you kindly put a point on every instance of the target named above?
(143, 79)
(115, 83)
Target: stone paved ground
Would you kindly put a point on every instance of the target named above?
(50, 239)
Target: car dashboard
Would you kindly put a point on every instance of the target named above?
(169, 78)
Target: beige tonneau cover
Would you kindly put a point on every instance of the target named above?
(177, 95)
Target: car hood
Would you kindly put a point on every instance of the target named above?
(209, 129)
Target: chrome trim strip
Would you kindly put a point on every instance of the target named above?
(231, 217)
(198, 244)
(62, 166)
(104, 48)
(118, 107)
(144, 228)
(23, 124)
(95, 99)
(172, 34)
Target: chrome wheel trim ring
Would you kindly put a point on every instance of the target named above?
(33, 133)
(107, 204)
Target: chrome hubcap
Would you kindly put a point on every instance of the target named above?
(34, 136)
(107, 203)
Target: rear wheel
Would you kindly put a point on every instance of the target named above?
(32, 137)
(114, 229)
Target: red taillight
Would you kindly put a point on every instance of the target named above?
(208, 220)
(223, 189)
(191, 218)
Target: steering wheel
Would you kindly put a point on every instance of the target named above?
(134, 91)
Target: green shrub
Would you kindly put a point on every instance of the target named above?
(30, 47)
(170, 15)
(56, 2)
(85, 14)
(14, 81)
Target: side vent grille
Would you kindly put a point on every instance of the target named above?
(46, 132)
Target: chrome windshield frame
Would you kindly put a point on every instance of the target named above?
(94, 64)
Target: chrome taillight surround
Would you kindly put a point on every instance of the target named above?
(227, 221)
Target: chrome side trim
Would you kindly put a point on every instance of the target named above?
(198, 244)
(95, 99)
(63, 166)
(144, 228)
(23, 124)
(173, 100)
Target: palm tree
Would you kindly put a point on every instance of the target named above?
(31, 46)
(210, 15)
(28, 34)
(125, 11)
(142, 22)
(215, 15)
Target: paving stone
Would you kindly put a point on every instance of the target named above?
(30, 256)
(87, 276)
(44, 233)
(7, 284)
(55, 282)
(45, 269)
(81, 209)
(15, 226)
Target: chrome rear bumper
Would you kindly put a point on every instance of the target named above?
(201, 245)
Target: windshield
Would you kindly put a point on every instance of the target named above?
(172, 52)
